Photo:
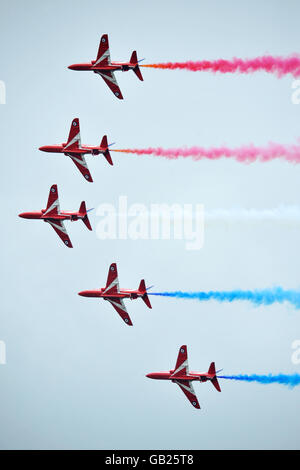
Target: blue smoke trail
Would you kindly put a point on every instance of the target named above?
(289, 380)
(258, 297)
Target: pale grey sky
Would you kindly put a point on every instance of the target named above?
(75, 374)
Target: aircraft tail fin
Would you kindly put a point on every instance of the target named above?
(104, 145)
(133, 58)
(83, 214)
(214, 380)
(143, 290)
(212, 369)
(134, 61)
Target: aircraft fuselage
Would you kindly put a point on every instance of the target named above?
(200, 376)
(72, 216)
(113, 67)
(123, 294)
(86, 149)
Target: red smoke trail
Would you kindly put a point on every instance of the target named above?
(278, 65)
(246, 154)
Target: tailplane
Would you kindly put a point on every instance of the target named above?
(104, 145)
(134, 62)
(214, 380)
(83, 213)
(143, 291)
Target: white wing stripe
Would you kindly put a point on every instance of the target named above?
(75, 139)
(120, 305)
(81, 160)
(53, 205)
(188, 388)
(115, 282)
(60, 227)
(106, 55)
(184, 365)
(111, 77)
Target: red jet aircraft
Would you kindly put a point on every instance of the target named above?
(105, 68)
(115, 295)
(182, 377)
(76, 151)
(55, 217)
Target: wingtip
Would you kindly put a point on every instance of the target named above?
(89, 179)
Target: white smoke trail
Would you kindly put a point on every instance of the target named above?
(289, 215)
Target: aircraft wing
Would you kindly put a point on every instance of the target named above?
(103, 56)
(119, 306)
(79, 160)
(59, 228)
(182, 367)
(110, 80)
(74, 141)
(53, 202)
(112, 283)
(188, 389)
